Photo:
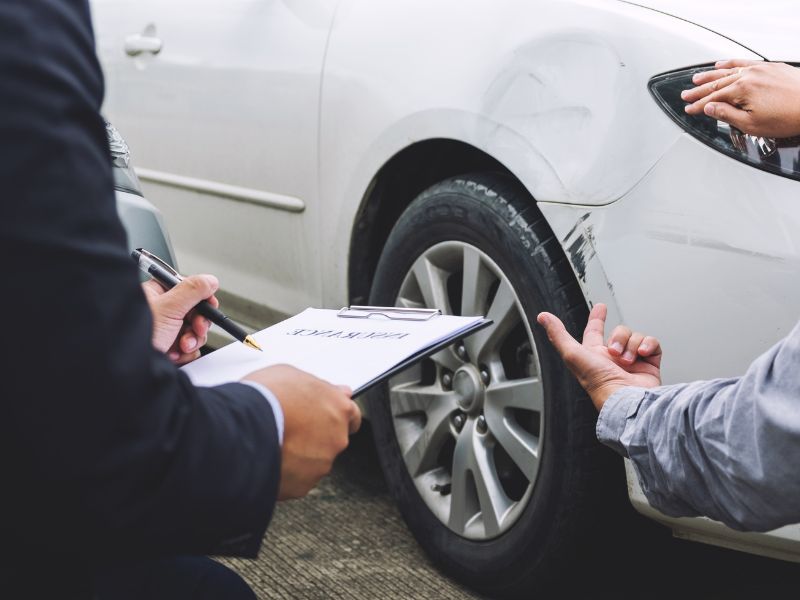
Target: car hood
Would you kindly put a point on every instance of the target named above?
(767, 27)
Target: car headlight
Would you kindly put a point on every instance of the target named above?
(125, 178)
(779, 156)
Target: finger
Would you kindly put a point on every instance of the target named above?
(187, 357)
(566, 345)
(710, 75)
(650, 350)
(701, 94)
(701, 91)
(354, 418)
(199, 324)
(722, 111)
(189, 342)
(730, 94)
(736, 62)
(595, 326)
(188, 293)
(618, 340)
(346, 389)
(632, 349)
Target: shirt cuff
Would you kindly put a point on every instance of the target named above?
(620, 406)
(277, 410)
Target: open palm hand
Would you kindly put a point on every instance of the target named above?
(628, 359)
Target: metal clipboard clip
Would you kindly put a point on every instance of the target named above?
(388, 312)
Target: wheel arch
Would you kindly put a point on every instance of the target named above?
(404, 176)
(418, 166)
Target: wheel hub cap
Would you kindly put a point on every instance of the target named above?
(472, 445)
(469, 388)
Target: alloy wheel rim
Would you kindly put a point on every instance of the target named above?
(470, 420)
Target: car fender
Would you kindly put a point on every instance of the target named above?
(551, 90)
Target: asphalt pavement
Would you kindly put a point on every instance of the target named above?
(347, 540)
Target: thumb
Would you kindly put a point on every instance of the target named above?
(722, 111)
(566, 345)
(189, 293)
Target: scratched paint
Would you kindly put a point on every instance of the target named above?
(579, 243)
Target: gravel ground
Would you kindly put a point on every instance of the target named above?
(347, 540)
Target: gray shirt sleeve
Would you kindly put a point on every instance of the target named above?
(728, 449)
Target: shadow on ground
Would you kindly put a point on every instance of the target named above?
(347, 540)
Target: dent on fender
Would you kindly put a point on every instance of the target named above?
(571, 96)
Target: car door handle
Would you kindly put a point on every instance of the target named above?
(138, 43)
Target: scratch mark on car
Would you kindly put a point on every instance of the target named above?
(578, 223)
(581, 251)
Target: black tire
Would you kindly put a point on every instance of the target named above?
(496, 215)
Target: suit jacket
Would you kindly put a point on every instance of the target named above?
(106, 449)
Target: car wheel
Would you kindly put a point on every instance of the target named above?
(488, 446)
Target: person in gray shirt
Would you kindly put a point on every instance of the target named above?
(728, 449)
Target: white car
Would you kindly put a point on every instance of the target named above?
(497, 156)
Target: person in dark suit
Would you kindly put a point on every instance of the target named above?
(111, 459)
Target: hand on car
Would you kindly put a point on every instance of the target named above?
(629, 359)
(179, 331)
(758, 98)
(317, 417)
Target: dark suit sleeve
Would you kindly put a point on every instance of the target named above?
(105, 447)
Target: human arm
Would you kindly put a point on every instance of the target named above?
(726, 448)
(758, 98)
(103, 442)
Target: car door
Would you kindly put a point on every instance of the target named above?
(218, 100)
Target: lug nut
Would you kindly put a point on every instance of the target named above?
(485, 377)
(481, 424)
(443, 488)
(461, 351)
(458, 421)
(447, 380)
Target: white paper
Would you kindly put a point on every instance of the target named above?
(342, 351)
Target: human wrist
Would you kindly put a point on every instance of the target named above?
(601, 393)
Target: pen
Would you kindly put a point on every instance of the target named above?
(168, 278)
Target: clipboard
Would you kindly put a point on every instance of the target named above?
(357, 346)
(405, 314)
(390, 312)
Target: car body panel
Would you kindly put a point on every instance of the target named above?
(700, 255)
(552, 60)
(224, 121)
(734, 19)
(780, 543)
(555, 91)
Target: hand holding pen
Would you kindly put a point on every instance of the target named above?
(178, 330)
(181, 320)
